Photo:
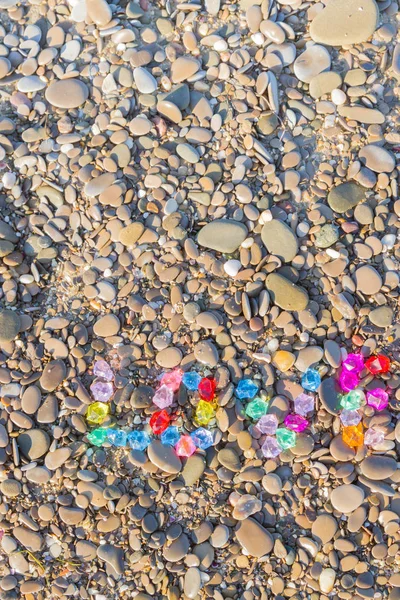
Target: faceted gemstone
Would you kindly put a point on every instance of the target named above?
(97, 413)
(185, 446)
(207, 387)
(117, 437)
(377, 398)
(353, 435)
(311, 380)
(270, 447)
(191, 380)
(256, 409)
(138, 440)
(203, 438)
(348, 380)
(101, 390)
(268, 424)
(373, 437)
(172, 379)
(159, 421)
(303, 404)
(98, 436)
(296, 423)
(352, 400)
(285, 438)
(204, 412)
(246, 388)
(163, 397)
(350, 417)
(378, 364)
(353, 363)
(170, 436)
(103, 370)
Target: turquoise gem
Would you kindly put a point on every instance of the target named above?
(256, 409)
(352, 400)
(98, 436)
(285, 438)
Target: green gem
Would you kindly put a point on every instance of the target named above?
(285, 438)
(352, 400)
(98, 436)
(256, 409)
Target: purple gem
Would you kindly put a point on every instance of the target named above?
(350, 417)
(101, 390)
(377, 398)
(348, 380)
(303, 404)
(353, 363)
(163, 397)
(270, 447)
(103, 370)
(373, 437)
(267, 424)
(296, 423)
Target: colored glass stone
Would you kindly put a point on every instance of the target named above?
(170, 436)
(207, 387)
(191, 380)
(256, 409)
(296, 423)
(348, 380)
(352, 400)
(98, 436)
(350, 417)
(101, 390)
(203, 438)
(102, 369)
(353, 436)
(378, 364)
(172, 379)
(373, 437)
(268, 424)
(97, 413)
(138, 440)
(311, 380)
(159, 421)
(246, 388)
(185, 446)
(117, 437)
(377, 398)
(204, 412)
(285, 438)
(163, 397)
(304, 404)
(353, 363)
(270, 447)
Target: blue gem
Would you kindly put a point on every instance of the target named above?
(203, 438)
(246, 389)
(191, 380)
(170, 436)
(311, 380)
(116, 437)
(138, 440)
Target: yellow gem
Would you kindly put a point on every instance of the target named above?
(353, 435)
(97, 413)
(204, 412)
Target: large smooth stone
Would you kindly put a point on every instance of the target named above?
(99, 11)
(377, 158)
(223, 235)
(285, 294)
(361, 114)
(164, 457)
(324, 83)
(256, 540)
(279, 240)
(33, 443)
(347, 498)
(345, 196)
(345, 22)
(10, 325)
(68, 93)
(311, 63)
(378, 467)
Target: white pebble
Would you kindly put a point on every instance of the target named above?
(248, 242)
(232, 267)
(273, 345)
(332, 253)
(302, 229)
(265, 216)
(389, 241)
(304, 337)
(338, 97)
(220, 46)
(26, 279)
(258, 39)
(9, 180)
(171, 206)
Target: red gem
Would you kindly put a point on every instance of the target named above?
(207, 388)
(160, 421)
(378, 364)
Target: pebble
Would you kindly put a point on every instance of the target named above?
(348, 22)
(377, 467)
(33, 443)
(67, 94)
(164, 457)
(10, 325)
(192, 582)
(346, 498)
(381, 316)
(254, 539)
(286, 294)
(107, 326)
(324, 528)
(345, 196)
(279, 240)
(113, 556)
(368, 280)
(223, 235)
(311, 63)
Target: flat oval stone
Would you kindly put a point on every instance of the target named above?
(377, 158)
(128, 236)
(329, 395)
(98, 185)
(169, 110)
(31, 399)
(5, 67)
(164, 457)
(206, 353)
(145, 82)
(177, 549)
(193, 469)
(312, 62)
(183, 67)
(285, 294)
(188, 153)
(140, 125)
(192, 582)
(369, 116)
(10, 325)
(378, 467)
(256, 540)
(345, 22)
(368, 280)
(99, 11)
(324, 83)
(223, 235)
(381, 316)
(53, 375)
(31, 83)
(345, 196)
(280, 240)
(324, 528)
(33, 443)
(347, 498)
(67, 93)
(107, 326)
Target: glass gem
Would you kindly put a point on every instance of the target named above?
(117, 437)
(285, 438)
(172, 379)
(353, 363)
(350, 417)
(378, 364)
(353, 435)
(377, 398)
(304, 404)
(103, 370)
(311, 380)
(163, 397)
(296, 423)
(373, 437)
(159, 421)
(348, 380)
(185, 446)
(97, 413)
(256, 409)
(98, 436)
(246, 388)
(191, 380)
(170, 436)
(138, 440)
(204, 412)
(268, 424)
(203, 438)
(207, 387)
(270, 447)
(101, 390)
(352, 400)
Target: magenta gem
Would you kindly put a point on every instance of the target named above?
(267, 424)
(348, 380)
(103, 370)
(296, 423)
(350, 417)
(101, 390)
(373, 437)
(172, 379)
(353, 363)
(303, 404)
(270, 447)
(377, 398)
(163, 397)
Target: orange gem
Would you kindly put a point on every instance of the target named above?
(353, 435)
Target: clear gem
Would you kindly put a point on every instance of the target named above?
(138, 440)
(256, 409)
(204, 412)
(270, 447)
(117, 437)
(98, 436)
(352, 400)
(101, 390)
(377, 398)
(185, 446)
(246, 506)
(97, 413)
(203, 438)
(163, 397)
(311, 380)
(268, 424)
(350, 417)
(373, 437)
(348, 380)
(191, 380)
(285, 438)
(246, 388)
(172, 379)
(103, 370)
(353, 363)
(170, 436)
(296, 423)
(304, 404)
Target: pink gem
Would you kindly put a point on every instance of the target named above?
(296, 423)
(350, 417)
(101, 390)
(102, 369)
(163, 397)
(353, 363)
(373, 437)
(267, 424)
(377, 398)
(172, 379)
(348, 380)
(185, 446)
(303, 404)
(270, 447)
